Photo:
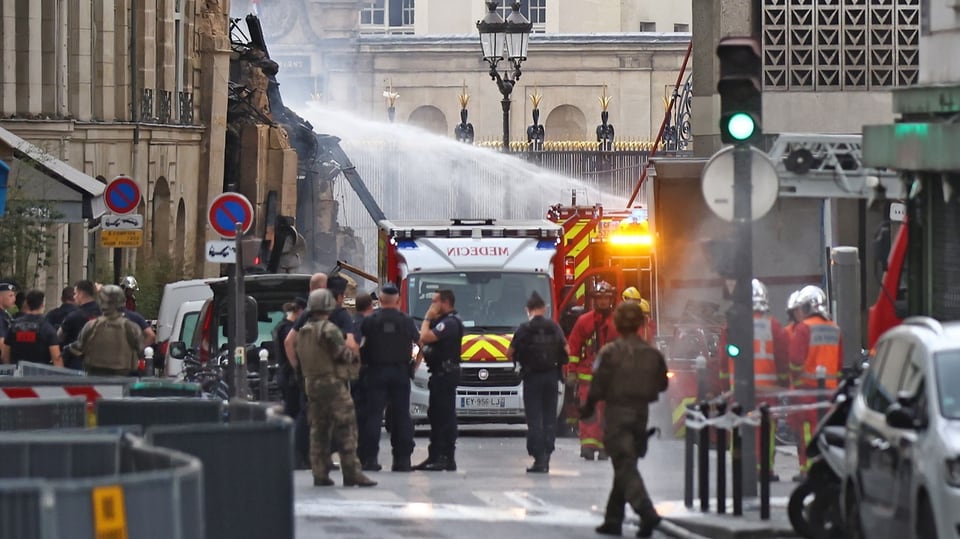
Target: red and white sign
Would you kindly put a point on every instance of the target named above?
(227, 210)
(122, 195)
(90, 392)
(482, 250)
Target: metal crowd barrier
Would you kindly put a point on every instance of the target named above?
(8, 370)
(97, 485)
(247, 454)
(27, 368)
(29, 414)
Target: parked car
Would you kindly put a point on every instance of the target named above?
(184, 326)
(903, 436)
(270, 291)
(174, 295)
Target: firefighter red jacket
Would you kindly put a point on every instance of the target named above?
(591, 331)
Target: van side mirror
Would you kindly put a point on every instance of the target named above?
(177, 350)
(900, 417)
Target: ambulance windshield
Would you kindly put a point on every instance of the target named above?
(484, 299)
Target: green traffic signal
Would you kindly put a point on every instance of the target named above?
(733, 350)
(741, 126)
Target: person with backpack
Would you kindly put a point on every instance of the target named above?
(109, 345)
(539, 348)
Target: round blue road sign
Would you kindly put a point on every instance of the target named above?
(122, 195)
(228, 209)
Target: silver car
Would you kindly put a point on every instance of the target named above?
(903, 436)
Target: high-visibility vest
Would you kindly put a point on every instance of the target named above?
(823, 350)
(764, 364)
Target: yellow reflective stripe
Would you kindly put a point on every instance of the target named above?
(574, 359)
(591, 441)
(796, 368)
(586, 377)
(807, 436)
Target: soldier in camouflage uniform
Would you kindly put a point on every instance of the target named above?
(327, 366)
(629, 375)
(109, 344)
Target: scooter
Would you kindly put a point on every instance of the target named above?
(814, 506)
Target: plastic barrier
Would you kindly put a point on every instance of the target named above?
(8, 370)
(27, 368)
(247, 471)
(147, 411)
(96, 485)
(156, 387)
(24, 414)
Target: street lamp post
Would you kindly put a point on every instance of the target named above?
(504, 40)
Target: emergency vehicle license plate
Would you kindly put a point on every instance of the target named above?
(483, 402)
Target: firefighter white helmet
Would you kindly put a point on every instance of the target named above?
(812, 300)
(321, 301)
(760, 302)
(130, 282)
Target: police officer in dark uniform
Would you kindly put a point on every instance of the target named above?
(388, 339)
(540, 349)
(85, 293)
(8, 297)
(441, 334)
(30, 337)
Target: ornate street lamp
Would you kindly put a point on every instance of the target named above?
(504, 40)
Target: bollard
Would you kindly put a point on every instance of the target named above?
(721, 463)
(736, 459)
(701, 367)
(703, 467)
(688, 442)
(764, 462)
(821, 374)
(264, 375)
(148, 361)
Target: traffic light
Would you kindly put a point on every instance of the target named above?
(733, 350)
(740, 87)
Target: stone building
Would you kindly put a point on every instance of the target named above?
(135, 87)
(346, 53)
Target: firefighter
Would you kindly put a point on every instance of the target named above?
(648, 330)
(792, 316)
(593, 329)
(816, 342)
(770, 367)
(130, 288)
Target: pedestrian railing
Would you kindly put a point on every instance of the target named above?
(94, 485)
(721, 424)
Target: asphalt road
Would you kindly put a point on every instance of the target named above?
(490, 495)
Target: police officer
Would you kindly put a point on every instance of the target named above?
(31, 337)
(67, 306)
(441, 334)
(326, 362)
(388, 339)
(541, 350)
(629, 375)
(286, 377)
(8, 297)
(85, 293)
(110, 345)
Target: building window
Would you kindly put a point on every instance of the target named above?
(388, 16)
(648, 27)
(534, 10)
(681, 27)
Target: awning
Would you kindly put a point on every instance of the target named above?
(83, 198)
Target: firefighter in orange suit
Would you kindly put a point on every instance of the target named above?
(816, 342)
(648, 330)
(592, 330)
(770, 351)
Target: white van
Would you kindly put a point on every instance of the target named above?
(174, 295)
(184, 325)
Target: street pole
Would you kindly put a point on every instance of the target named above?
(117, 262)
(236, 330)
(505, 103)
(740, 318)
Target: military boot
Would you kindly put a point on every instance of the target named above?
(587, 453)
(609, 528)
(323, 481)
(358, 480)
(541, 464)
(649, 519)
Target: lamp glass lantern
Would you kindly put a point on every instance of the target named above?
(518, 30)
(493, 33)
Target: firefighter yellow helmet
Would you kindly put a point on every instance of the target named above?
(631, 294)
(645, 307)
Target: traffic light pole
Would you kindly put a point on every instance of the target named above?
(740, 317)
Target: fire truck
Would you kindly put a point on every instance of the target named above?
(492, 267)
(619, 247)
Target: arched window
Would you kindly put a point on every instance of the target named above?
(566, 122)
(430, 118)
(160, 222)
